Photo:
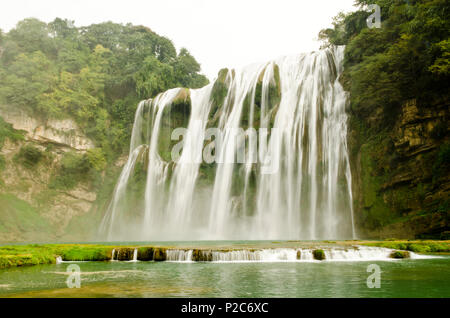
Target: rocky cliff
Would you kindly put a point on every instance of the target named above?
(401, 171)
(34, 205)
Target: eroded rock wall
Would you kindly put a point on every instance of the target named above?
(400, 171)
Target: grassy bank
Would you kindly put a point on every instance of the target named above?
(428, 246)
(21, 255)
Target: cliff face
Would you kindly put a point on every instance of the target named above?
(401, 172)
(30, 207)
(63, 133)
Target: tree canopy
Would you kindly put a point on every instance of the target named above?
(94, 74)
(407, 58)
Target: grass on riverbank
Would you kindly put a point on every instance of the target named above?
(413, 246)
(21, 255)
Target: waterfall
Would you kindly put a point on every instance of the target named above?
(179, 255)
(296, 183)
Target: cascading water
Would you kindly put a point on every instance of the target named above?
(296, 107)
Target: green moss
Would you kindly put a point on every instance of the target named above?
(23, 255)
(174, 116)
(145, 254)
(415, 246)
(273, 98)
(419, 248)
(218, 94)
(24, 260)
(319, 254)
(159, 254)
(86, 253)
(400, 254)
(376, 212)
(19, 255)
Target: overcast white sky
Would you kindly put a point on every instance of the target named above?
(218, 33)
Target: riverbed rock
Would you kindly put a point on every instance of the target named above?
(125, 254)
(159, 254)
(319, 254)
(145, 253)
(400, 254)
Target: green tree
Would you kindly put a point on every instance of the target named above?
(95, 74)
(407, 58)
(154, 77)
(186, 70)
(32, 35)
(25, 79)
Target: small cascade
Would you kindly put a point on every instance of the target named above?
(413, 255)
(316, 254)
(306, 255)
(361, 253)
(124, 254)
(179, 255)
(265, 255)
(59, 260)
(352, 253)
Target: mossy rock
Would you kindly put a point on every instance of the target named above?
(319, 254)
(400, 254)
(272, 103)
(201, 255)
(145, 254)
(175, 115)
(125, 254)
(159, 254)
(299, 255)
(218, 94)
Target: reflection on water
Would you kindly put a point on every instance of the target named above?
(404, 278)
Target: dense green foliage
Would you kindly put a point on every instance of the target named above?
(94, 74)
(407, 58)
